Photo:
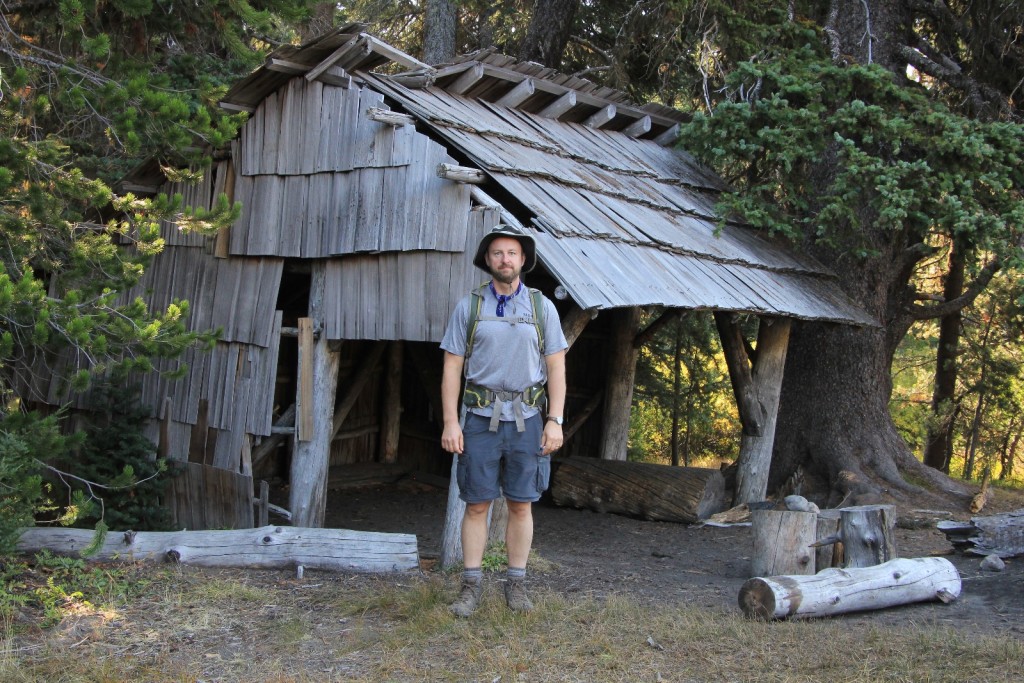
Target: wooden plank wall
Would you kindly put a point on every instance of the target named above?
(226, 497)
(406, 295)
(339, 183)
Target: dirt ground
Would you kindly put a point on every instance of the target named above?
(598, 554)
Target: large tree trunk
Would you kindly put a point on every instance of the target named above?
(439, 29)
(834, 417)
(550, 27)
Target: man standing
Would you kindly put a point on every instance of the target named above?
(507, 340)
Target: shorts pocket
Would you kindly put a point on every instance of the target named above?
(543, 473)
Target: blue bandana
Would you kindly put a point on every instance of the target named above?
(504, 299)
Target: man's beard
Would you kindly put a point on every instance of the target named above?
(506, 278)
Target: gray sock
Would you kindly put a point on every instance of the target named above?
(474, 575)
(516, 573)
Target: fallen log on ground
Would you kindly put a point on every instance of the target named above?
(1001, 535)
(269, 547)
(838, 591)
(644, 490)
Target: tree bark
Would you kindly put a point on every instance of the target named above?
(637, 489)
(837, 591)
(619, 389)
(549, 31)
(939, 448)
(439, 29)
(782, 542)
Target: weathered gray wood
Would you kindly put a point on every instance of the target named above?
(451, 537)
(838, 591)
(574, 322)
(868, 534)
(641, 126)
(205, 497)
(619, 384)
(560, 106)
(1001, 535)
(391, 118)
(286, 67)
(354, 386)
(267, 547)
(782, 542)
(467, 80)
(644, 490)
(521, 92)
(668, 137)
(308, 492)
(829, 554)
(461, 174)
(756, 385)
(601, 117)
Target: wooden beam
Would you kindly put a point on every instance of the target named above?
(336, 76)
(641, 126)
(285, 66)
(394, 54)
(645, 335)
(619, 387)
(574, 322)
(668, 137)
(392, 409)
(521, 92)
(467, 80)
(391, 118)
(304, 399)
(331, 60)
(601, 117)
(236, 106)
(310, 457)
(561, 105)
(461, 174)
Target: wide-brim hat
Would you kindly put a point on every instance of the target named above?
(525, 239)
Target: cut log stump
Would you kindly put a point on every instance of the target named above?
(838, 591)
(645, 490)
(269, 547)
(868, 534)
(782, 542)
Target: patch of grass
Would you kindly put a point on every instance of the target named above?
(267, 626)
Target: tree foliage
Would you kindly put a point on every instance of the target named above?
(88, 91)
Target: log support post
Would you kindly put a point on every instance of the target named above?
(392, 408)
(619, 390)
(756, 377)
(312, 448)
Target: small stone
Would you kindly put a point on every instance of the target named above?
(797, 504)
(993, 563)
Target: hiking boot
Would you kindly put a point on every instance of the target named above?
(468, 600)
(515, 595)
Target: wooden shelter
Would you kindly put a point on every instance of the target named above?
(367, 178)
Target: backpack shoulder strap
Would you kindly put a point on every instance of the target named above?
(537, 300)
(476, 302)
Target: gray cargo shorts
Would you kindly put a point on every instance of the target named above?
(506, 461)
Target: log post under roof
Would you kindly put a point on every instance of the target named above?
(757, 384)
(619, 389)
(392, 408)
(311, 457)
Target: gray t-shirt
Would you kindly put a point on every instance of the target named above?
(506, 357)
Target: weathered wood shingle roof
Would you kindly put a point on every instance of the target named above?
(621, 219)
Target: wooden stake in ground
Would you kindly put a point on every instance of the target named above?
(837, 591)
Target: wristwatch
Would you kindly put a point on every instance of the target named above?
(556, 420)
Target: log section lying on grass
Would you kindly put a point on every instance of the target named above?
(1001, 535)
(837, 591)
(269, 547)
(645, 490)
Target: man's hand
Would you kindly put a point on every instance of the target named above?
(451, 438)
(552, 439)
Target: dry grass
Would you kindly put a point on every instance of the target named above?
(237, 625)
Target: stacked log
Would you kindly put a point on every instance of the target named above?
(643, 490)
